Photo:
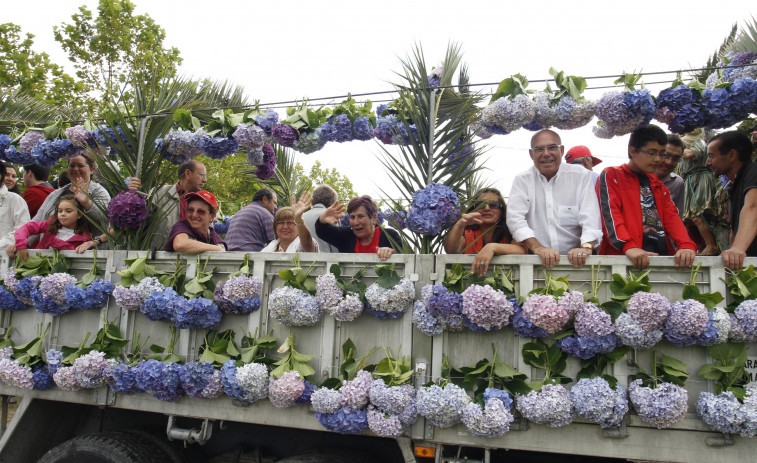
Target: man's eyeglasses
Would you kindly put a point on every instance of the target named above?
(542, 149)
(483, 204)
(662, 155)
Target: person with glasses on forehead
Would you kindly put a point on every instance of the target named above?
(292, 235)
(639, 217)
(552, 206)
(664, 171)
(483, 231)
(194, 234)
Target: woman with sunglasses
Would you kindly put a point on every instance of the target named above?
(482, 231)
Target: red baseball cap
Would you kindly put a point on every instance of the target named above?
(581, 151)
(204, 195)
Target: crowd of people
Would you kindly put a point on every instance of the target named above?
(558, 207)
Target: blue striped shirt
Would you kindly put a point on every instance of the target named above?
(251, 229)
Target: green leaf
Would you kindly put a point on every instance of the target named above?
(673, 363)
(157, 349)
(286, 275)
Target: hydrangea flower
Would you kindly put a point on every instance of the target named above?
(383, 424)
(424, 321)
(128, 210)
(267, 169)
(64, 378)
(661, 407)
(304, 398)
(309, 142)
(433, 209)
(743, 322)
(392, 400)
(162, 380)
(14, 156)
(284, 391)
(550, 406)
(721, 320)
(29, 140)
(184, 144)
(572, 114)
(267, 121)
(344, 420)
(325, 400)
(594, 400)
(391, 303)
(10, 281)
(491, 421)
(523, 327)
(252, 137)
(679, 108)
(13, 374)
(487, 308)
(133, 298)
(337, 129)
(502, 395)
(42, 377)
(361, 129)
(197, 314)
(722, 412)
(571, 302)
(623, 112)
(25, 287)
(588, 347)
(726, 106)
(544, 312)
(630, 333)
(49, 296)
(509, 114)
(687, 318)
(218, 147)
(122, 378)
(94, 296)
(160, 305)
(47, 152)
(348, 309)
(9, 302)
(443, 407)
(355, 391)
(284, 135)
(445, 306)
(293, 307)
(239, 295)
(89, 368)
(327, 292)
(247, 383)
(651, 310)
(80, 137)
(592, 321)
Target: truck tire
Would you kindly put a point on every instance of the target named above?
(107, 447)
(328, 456)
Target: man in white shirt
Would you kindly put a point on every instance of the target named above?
(323, 196)
(553, 208)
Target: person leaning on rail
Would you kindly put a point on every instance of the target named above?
(195, 234)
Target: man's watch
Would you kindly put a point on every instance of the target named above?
(98, 240)
(588, 246)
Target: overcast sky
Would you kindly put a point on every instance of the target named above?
(280, 51)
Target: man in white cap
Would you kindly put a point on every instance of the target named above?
(582, 156)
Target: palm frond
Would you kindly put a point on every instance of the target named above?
(715, 58)
(19, 110)
(746, 39)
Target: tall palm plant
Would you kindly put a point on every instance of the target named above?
(19, 110)
(442, 117)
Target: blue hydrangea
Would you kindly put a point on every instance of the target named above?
(184, 144)
(309, 142)
(523, 326)
(326, 400)
(707, 337)
(337, 129)
(25, 287)
(443, 407)
(491, 421)
(396, 219)
(720, 412)
(5, 142)
(48, 152)
(630, 333)
(9, 302)
(682, 106)
(42, 377)
(572, 115)
(361, 128)
(622, 113)
(662, 406)
(383, 424)
(293, 307)
(239, 295)
(220, 227)
(94, 296)
(162, 380)
(592, 321)
(500, 394)
(392, 400)
(218, 147)
(160, 305)
(424, 321)
(201, 380)
(46, 305)
(122, 378)
(446, 306)
(509, 114)
(232, 388)
(550, 406)
(344, 420)
(594, 400)
(268, 121)
(196, 314)
(588, 347)
(15, 156)
(304, 398)
(433, 209)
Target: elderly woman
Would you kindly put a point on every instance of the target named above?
(13, 212)
(482, 231)
(195, 234)
(363, 235)
(292, 235)
(86, 191)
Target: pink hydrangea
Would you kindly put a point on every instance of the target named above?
(651, 310)
(544, 312)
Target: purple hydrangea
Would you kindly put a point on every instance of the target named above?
(442, 406)
(128, 210)
(94, 296)
(572, 115)
(445, 306)
(196, 314)
(592, 321)
(64, 378)
(9, 302)
(571, 302)
(184, 144)
(355, 391)
(218, 147)
(293, 307)
(362, 129)
(325, 400)
(391, 400)
(162, 380)
(10, 281)
(679, 107)
(509, 114)
(550, 406)
(383, 424)
(29, 140)
(424, 321)
(486, 308)
(328, 293)
(391, 130)
(283, 392)
(396, 219)
(201, 380)
(267, 169)
(632, 334)
(239, 295)
(588, 347)
(284, 135)
(390, 303)
(622, 113)
(309, 142)
(651, 310)
(133, 297)
(122, 378)
(722, 412)
(344, 420)
(743, 322)
(523, 327)
(594, 400)
(47, 152)
(13, 374)
(88, 369)
(252, 137)
(491, 421)
(499, 394)
(433, 209)
(688, 318)
(661, 407)
(337, 129)
(544, 312)
(49, 296)
(80, 137)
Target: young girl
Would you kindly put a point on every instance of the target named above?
(66, 229)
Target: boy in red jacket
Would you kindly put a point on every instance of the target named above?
(639, 218)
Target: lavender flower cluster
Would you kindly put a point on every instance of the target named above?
(283, 392)
(390, 303)
(433, 209)
(586, 347)
(248, 383)
(13, 374)
(182, 145)
(293, 307)
(218, 147)
(728, 105)
(49, 296)
(630, 333)
(201, 380)
(442, 406)
(545, 313)
(392, 409)
(267, 169)
(251, 136)
(445, 306)
(327, 292)
(594, 400)
(284, 135)
(592, 321)
(724, 413)
(128, 210)
(688, 320)
(424, 321)
(392, 131)
(623, 112)
(509, 114)
(523, 326)
(239, 295)
(662, 406)
(344, 410)
(650, 310)
(25, 287)
(679, 108)
(550, 406)
(94, 296)
(87, 372)
(133, 297)
(267, 121)
(743, 322)
(122, 378)
(162, 380)
(486, 308)
(493, 420)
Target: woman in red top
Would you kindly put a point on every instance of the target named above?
(482, 231)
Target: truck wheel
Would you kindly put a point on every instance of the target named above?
(107, 447)
(328, 456)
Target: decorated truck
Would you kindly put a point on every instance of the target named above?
(336, 357)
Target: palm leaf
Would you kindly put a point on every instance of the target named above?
(746, 39)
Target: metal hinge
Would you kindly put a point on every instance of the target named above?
(189, 436)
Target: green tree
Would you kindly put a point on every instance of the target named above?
(331, 177)
(25, 70)
(116, 51)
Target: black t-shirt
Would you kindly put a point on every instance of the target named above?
(745, 180)
(653, 233)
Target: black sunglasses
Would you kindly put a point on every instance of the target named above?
(483, 204)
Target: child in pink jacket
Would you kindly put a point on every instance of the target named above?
(66, 229)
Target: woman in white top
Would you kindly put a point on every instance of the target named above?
(292, 235)
(13, 212)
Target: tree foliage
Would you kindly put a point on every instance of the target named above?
(320, 175)
(115, 51)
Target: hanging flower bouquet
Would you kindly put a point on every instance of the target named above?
(600, 401)
(621, 113)
(510, 108)
(660, 400)
(546, 310)
(433, 209)
(295, 304)
(244, 372)
(392, 401)
(91, 292)
(566, 108)
(548, 403)
(23, 366)
(392, 130)
(8, 300)
(344, 300)
(138, 281)
(240, 294)
(640, 315)
(680, 107)
(287, 386)
(390, 296)
(729, 103)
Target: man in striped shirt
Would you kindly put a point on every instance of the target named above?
(252, 227)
